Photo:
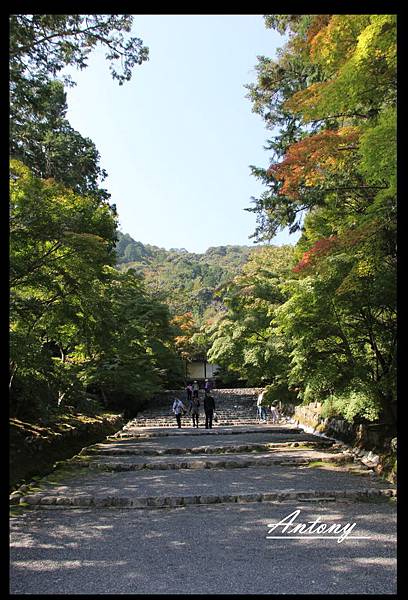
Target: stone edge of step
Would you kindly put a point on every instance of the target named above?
(37, 501)
(215, 463)
(215, 431)
(92, 450)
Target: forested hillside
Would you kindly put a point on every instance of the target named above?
(186, 281)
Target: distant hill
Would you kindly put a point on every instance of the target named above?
(186, 281)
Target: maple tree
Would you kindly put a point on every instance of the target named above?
(330, 100)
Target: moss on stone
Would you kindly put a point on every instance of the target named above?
(34, 447)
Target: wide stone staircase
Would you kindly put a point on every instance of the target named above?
(232, 407)
(152, 463)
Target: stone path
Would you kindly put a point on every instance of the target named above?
(174, 480)
(218, 549)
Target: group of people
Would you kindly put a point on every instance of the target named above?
(193, 401)
(193, 407)
(262, 410)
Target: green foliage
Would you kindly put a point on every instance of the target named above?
(77, 326)
(59, 244)
(244, 341)
(353, 403)
(133, 352)
(42, 138)
(336, 73)
(278, 391)
(332, 93)
(378, 151)
(43, 45)
(76, 322)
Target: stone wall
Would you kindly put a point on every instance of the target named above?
(372, 436)
(373, 441)
(35, 455)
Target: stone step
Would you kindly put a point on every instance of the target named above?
(158, 431)
(281, 464)
(215, 441)
(90, 501)
(173, 424)
(135, 463)
(171, 419)
(167, 487)
(221, 449)
(253, 415)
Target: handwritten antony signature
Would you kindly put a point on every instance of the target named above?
(312, 529)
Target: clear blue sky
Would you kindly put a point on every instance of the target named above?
(178, 139)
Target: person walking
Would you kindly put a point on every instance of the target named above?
(196, 387)
(194, 410)
(178, 409)
(274, 414)
(189, 390)
(207, 386)
(261, 408)
(209, 407)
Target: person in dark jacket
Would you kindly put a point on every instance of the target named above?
(194, 410)
(209, 407)
(189, 390)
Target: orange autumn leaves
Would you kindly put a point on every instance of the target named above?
(342, 107)
(311, 161)
(319, 249)
(335, 243)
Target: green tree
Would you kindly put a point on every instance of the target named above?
(134, 351)
(41, 46)
(245, 341)
(42, 138)
(332, 91)
(59, 244)
(76, 322)
(331, 86)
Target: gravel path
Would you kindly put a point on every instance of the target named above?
(201, 550)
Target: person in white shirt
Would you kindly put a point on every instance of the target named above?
(261, 409)
(196, 387)
(178, 409)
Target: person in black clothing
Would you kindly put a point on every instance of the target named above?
(209, 407)
(189, 390)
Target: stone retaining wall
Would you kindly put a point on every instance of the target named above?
(373, 436)
(372, 441)
(32, 456)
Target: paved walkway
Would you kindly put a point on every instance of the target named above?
(187, 511)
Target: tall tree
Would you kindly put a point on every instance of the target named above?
(332, 87)
(41, 46)
(332, 90)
